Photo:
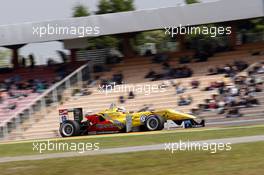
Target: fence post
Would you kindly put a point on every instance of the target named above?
(30, 114)
(18, 126)
(54, 96)
(80, 79)
(43, 105)
(5, 131)
(68, 84)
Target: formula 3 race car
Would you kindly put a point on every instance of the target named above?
(116, 119)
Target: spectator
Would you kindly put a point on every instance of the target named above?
(166, 65)
(229, 69)
(160, 58)
(221, 106)
(131, 95)
(151, 74)
(170, 73)
(234, 91)
(12, 106)
(32, 61)
(212, 71)
(121, 99)
(233, 112)
(118, 78)
(81, 92)
(260, 70)
(23, 63)
(195, 84)
(179, 89)
(114, 57)
(50, 62)
(259, 87)
(148, 53)
(212, 104)
(40, 87)
(251, 101)
(184, 102)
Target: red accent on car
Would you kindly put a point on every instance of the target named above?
(98, 123)
(63, 112)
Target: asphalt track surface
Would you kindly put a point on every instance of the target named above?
(172, 129)
(235, 140)
(236, 122)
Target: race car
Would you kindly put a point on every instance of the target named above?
(117, 119)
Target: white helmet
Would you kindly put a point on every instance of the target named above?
(112, 106)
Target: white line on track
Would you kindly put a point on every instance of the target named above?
(236, 122)
(234, 140)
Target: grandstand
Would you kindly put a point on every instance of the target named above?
(45, 125)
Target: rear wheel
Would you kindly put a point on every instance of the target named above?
(70, 128)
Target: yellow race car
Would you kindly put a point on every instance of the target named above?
(116, 119)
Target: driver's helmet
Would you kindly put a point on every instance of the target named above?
(121, 109)
(112, 106)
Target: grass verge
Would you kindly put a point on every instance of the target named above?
(243, 159)
(112, 141)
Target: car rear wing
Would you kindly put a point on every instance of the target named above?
(77, 114)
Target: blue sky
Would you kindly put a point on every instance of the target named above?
(18, 11)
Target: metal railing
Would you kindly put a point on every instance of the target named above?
(51, 97)
(97, 55)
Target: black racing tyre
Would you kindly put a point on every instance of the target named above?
(202, 123)
(162, 122)
(154, 123)
(70, 128)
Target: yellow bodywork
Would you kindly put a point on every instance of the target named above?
(117, 117)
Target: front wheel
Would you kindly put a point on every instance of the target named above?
(154, 123)
(70, 128)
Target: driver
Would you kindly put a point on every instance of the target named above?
(112, 106)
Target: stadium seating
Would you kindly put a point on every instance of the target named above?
(48, 126)
(134, 70)
(13, 105)
(248, 113)
(136, 67)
